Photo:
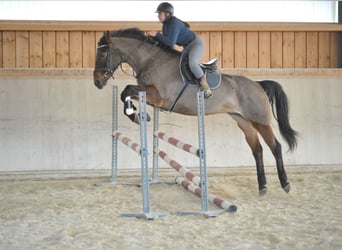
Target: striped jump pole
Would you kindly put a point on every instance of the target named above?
(177, 143)
(178, 167)
(212, 198)
(128, 142)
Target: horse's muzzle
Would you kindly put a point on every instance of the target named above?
(98, 84)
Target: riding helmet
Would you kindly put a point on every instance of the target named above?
(165, 7)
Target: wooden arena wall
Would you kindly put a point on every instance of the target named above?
(65, 44)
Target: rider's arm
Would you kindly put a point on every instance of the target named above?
(170, 34)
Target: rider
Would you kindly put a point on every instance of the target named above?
(175, 31)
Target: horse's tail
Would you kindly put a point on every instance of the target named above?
(278, 98)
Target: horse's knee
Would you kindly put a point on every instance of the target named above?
(129, 90)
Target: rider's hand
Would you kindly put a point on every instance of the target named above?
(152, 33)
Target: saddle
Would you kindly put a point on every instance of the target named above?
(210, 70)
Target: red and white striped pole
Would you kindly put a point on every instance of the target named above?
(212, 198)
(128, 142)
(178, 167)
(177, 143)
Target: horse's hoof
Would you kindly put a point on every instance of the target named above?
(263, 191)
(136, 119)
(148, 117)
(287, 188)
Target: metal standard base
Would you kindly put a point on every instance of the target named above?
(163, 182)
(134, 184)
(207, 214)
(114, 182)
(117, 183)
(148, 216)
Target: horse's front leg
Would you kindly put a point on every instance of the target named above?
(129, 110)
(131, 92)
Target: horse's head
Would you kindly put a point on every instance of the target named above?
(108, 59)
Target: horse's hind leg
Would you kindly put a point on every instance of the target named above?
(268, 135)
(252, 139)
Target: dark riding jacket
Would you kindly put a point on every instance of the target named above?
(175, 32)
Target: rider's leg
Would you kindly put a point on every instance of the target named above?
(196, 49)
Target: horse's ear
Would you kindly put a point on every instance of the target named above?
(107, 36)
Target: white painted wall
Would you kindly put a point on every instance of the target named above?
(59, 123)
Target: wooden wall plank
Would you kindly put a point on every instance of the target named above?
(205, 36)
(300, 49)
(288, 49)
(36, 49)
(276, 49)
(333, 49)
(252, 49)
(8, 52)
(89, 48)
(75, 49)
(312, 50)
(62, 49)
(22, 49)
(216, 47)
(324, 49)
(228, 49)
(240, 49)
(49, 49)
(264, 49)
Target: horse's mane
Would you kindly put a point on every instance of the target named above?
(137, 34)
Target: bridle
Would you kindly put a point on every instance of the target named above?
(108, 71)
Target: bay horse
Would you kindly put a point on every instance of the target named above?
(156, 70)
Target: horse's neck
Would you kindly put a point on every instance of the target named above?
(142, 55)
(132, 55)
